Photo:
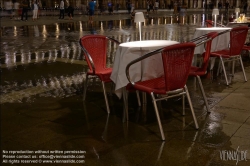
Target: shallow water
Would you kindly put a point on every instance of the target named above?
(47, 60)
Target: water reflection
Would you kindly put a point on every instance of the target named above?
(62, 86)
(58, 43)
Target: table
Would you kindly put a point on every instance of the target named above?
(237, 24)
(219, 43)
(151, 67)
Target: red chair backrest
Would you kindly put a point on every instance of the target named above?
(209, 23)
(96, 46)
(177, 61)
(237, 39)
(206, 55)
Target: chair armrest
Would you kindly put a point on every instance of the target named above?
(140, 59)
(220, 33)
(113, 40)
(197, 39)
(203, 41)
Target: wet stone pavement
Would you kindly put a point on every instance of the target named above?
(42, 108)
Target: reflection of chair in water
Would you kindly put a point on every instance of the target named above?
(95, 52)
(104, 134)
(177, 61)
(160, 153)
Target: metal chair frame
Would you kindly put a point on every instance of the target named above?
(169, 94)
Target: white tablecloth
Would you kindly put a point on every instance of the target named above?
(151, 67)
(219, 43)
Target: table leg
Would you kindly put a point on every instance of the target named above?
(125, 104)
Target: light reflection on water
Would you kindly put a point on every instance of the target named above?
(58, 43)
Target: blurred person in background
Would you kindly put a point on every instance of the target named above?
(156, 5)
(16, 10)
(61, 16)
(91, 10)
(70, 12)
(25, 6)
(132, 15)
(245, 8)
(35, 10)
(110, 7)
(9, 7)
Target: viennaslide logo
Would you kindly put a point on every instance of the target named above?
(236, 155)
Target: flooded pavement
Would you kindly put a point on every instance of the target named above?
(42, 74)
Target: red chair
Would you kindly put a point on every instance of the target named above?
(177, 61)
(202, 70)
(246, 48)
(237, 39)
(210, 23)
(95, 52)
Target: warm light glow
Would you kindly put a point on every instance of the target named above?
(237, 10)
(215, 12)
(139, 17)
(80, 26)
(120, 24)
(101, 29)
(15, 31)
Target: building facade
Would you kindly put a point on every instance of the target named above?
(138, 4)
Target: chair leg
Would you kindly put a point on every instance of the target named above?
(219, 69)
(125, 104)
(224, 70)
(243, 70)
(105, 96)
(112, 87)
(158, 117)
(144, 101)
(203, 93)
(85, 87)
(183, 105)
(233, 68)
(138, 98)
(195, 83)
(211, 74)
(191, 107)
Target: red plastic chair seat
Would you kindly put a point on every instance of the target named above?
(104, 75)
(222, 53)
(156, 85)
(194, 71)
(245, 47)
